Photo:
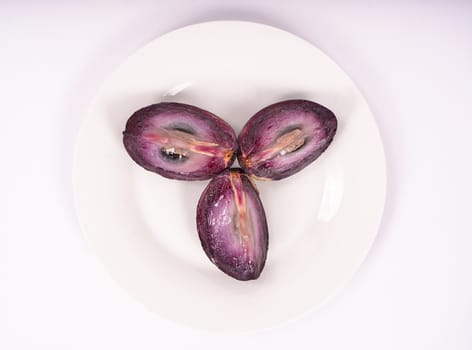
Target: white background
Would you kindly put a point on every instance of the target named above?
(413, 62)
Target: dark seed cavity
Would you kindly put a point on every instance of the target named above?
(174, 154)
(184, 128)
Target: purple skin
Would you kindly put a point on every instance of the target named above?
(232, 225)
(180, 141)
(283, 138)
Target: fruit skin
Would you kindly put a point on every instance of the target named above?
(232, 225)
(307, 129)
(207, 144)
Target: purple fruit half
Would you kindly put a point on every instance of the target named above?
(179, 141)
(232, 225)
(284, 138)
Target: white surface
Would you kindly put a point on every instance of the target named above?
(411, 61)
(322, 221)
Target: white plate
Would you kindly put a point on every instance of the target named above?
(322, 221)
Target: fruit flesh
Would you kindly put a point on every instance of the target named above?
(232, 225)
(180, 141)
(284, 138)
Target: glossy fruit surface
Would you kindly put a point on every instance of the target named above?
(284, 138)
(180, 141)
(232, 225)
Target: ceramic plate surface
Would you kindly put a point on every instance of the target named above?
(322, 221)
